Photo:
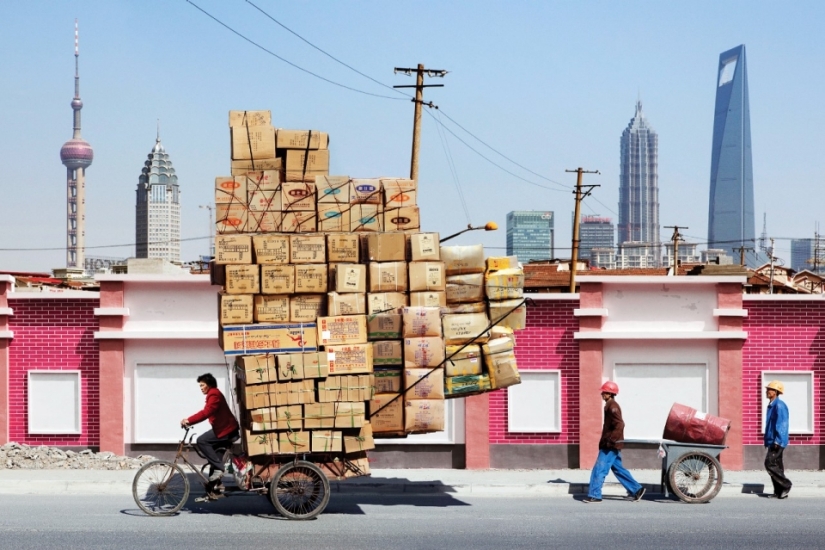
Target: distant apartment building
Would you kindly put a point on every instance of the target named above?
(687, 254)
(595, 232)
(630, 254)
(530, 235)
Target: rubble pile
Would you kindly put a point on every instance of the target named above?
(16, 456)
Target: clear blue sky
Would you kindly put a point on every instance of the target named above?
(551, 85)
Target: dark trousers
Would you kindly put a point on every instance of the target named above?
(776, 469)
(208, 444)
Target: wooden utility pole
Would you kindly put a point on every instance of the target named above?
(576, 217)
(676, 237)
(742, 250)
(419, 101)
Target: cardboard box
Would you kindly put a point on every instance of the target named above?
(290, 367)
(384, 326)
(264, 222)
(277, 279)
(295, 392)
(298, 196)
(468, 328)
(509, 313)
(263, 181)
(501, 363)
(461, 260)
(456, 309)
(307, 176)
(306, 308)
(285, 417)
(424, 247)
(268, 338)
(257, 369)
(330, 390)
(250, 118)
(365, 217)
(294, 443)
(301, 139)
(346, 329)
(386, 247)
(307, 249)
(333, 217)
(385, 302)
(253, 142)
(387, 413)
(497, 263)
(230, 190)
(242, 279)
(260, 396)
(405, 218)
(361, 442)
(271, 249)
(346, 304)
(302, 161)
(350, 278)
(327, 441)
(388, 277)
(264, 201)
(242, 167)
(231, 218)
(424, 415)
(333, 189)
(462, 289)
(427, 351)
(257, 444)
(316, 364)
(350, 359)
(350, 415)
(387, 353)
(299, 222)
(234, 308)
(271, 308)
(423, 384)
(343, 248)
(233, 249)
(387, 380)
(457, 386)
(421, 321)
(365, 191)
(498, 331)
(428, 299)
(399, 192)
(505, 284)
(310, 278)
(319, 415)
(427, 276)
(347, 388)
(464, 360)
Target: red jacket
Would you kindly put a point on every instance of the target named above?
(218, 412)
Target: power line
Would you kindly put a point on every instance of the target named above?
(451, 165)
(104, 245)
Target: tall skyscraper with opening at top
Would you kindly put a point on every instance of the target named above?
(530, 235)
(639, 182)
(157, 212)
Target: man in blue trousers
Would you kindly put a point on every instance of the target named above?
(776, 439)
(610, 456)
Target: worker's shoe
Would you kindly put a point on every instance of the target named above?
(637, 496)
(591, 500)
(783, 494)
(216, 476)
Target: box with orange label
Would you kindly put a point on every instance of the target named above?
(231, 218)
(345, 329)
(268, 338)
(230, 190)
(350, 359)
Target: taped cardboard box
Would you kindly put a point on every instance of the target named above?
(501, 363)
(496, 263)
(464, 360)
(350, 278)
(387, 413)
(350, 359)
(231, 218)
(456, 309)
(498, 331)
(235, 309)
(388, 277)
(365, 191)
(264, 201)
(307, 176)
(302, 161)
(260, 396)
(290, 367)
(257, 444)
(299, 222)
(327, 441)
(242, 167)
(346, 304)
(427, 277)
(250, 118)
(424, 247)
(268, 338)
(424, 415)
(319, 415)
(365, 217)
(406, 218)
(387, 380)
(387, 353)
(263, 180)
(233, 249)
(301, 139)
(421, 321)
(463, 289)
(511, 314)
(264, 222)
(386, 247)
(385, 302)
(306, 308)
(459, 386)
(330, 390)
(296, 392)
(293, 442)
(428, 299)
(277, 279)
(348, 388)
(333, 217)
(343, 248)
(271, 249)
(423, 384)
(298, 196)
(253, 142)
(230, 190)
(399, 192)
(271, 308)
(468, 328)
(384, 326)
(257, 369)
(289, 417)
(360, 442)
(333, 189)
(461, 260)
(350, 415)
(423, 352)
(310, 278)
(307, 249)
(242, 279)
(344, 329)
(505, 284)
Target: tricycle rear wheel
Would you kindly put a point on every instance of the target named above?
(299, 490)
(695, 477)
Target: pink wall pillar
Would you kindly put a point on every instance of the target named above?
(729, 296)
(477, 432)
(5, 288)
(591, 357)
(111, 372)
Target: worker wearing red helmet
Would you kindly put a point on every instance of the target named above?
(610, 456)
(776, 438)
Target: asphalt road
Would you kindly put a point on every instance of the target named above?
(413, 522)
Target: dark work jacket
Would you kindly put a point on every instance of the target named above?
(613, 429)
(218, 412)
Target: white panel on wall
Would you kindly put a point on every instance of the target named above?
(54, 402)
(534, 406)
(648, 391)
(799, 396)
(165, 394)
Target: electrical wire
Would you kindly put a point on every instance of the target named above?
(451, 164)
(153, 243)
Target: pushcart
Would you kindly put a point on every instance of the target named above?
(691, 471)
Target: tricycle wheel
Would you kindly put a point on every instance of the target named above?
(160, 488)
(695, 477)
(299, 490)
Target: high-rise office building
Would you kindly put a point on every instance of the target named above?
(530, 235)
(77, 155)
(730, 211)
(808, 254)
(595, 232)
(157, 212)
(639, 182)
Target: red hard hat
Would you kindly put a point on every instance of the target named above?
(610, 387)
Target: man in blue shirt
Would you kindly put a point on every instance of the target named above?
(776, 438)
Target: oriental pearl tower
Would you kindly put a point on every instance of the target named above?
(76, 154)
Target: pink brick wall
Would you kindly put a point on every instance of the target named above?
(54, 334)
(782, 335)
(546, 343)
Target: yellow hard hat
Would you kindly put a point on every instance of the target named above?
(776, 385)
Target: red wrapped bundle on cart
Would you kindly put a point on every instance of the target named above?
(687, 425)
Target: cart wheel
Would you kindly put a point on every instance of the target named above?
(299, 490)
(160, 488)
(695, 477)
